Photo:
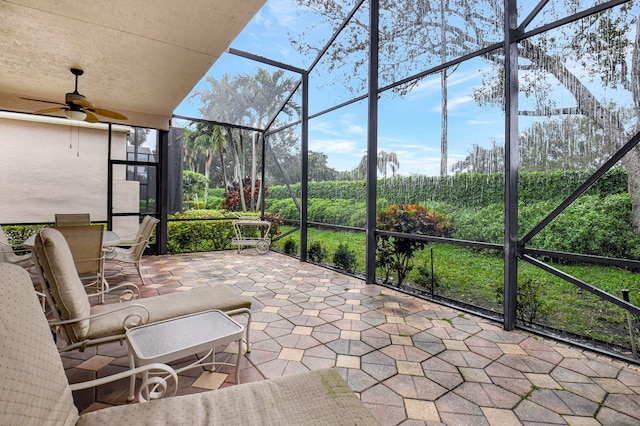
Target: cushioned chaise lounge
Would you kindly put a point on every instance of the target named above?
(34, 389)
(84, 325)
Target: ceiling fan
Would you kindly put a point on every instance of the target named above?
(77, 107)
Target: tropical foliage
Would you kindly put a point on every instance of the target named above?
(229, 156)
(192, 184)
(394, 255)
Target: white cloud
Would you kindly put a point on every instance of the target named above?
(461, 77)
(424, 89)
(474, 122)
(454, 103)
(282, 11)
(431, 85)
(333, 146)
(355, 129)
(342, 126)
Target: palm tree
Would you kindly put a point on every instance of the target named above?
(190, 154)
(250, 101)
(204, 144)
(385, 159)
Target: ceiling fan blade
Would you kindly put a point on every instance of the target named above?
(110, 114)
(82, 103)
(48, 111)
(91, 118)
(42, 100)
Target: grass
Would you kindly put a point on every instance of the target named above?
(476, 277)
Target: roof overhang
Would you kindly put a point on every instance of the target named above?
(140, 58)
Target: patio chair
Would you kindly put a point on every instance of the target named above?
(80, 325)
(8, 253)
(133, 254)
(72, 219)
(85, 243)
(34, 389)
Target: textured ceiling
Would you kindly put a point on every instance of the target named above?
(140, 58)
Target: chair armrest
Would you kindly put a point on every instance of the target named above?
(156, 386)
(127, 239)
(132, 244)
(111, 252)
(53, 323)
(15, 248)
(133, 292)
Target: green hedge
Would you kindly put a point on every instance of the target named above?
(470, 190)
(200, 235)
(333, 211)
(593, 225)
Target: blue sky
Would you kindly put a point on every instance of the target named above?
(408, 126)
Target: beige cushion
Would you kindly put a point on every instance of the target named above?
(33, 387)
(58, 266)
(319, 398)
(166, 306)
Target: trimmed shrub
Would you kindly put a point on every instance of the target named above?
(344, 258)
(531, 306)
(317, 253)
(200, 235)
(395, 255)
(193, 205)
(285, 208)
(290, 246)
(214, 203)
(593, 225)
(463, 190)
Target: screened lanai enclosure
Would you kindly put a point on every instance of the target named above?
(477, 153)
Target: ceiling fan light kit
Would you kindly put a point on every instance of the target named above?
(77, 107)
(75, 115)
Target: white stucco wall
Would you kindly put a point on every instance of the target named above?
(50, 166)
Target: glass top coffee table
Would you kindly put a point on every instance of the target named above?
(176, 338)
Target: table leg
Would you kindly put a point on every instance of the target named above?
(238, 361)
(212, 366)
(132, 380)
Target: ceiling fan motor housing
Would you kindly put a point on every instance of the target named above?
(70, 98)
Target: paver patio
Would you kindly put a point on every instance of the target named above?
(411, 361)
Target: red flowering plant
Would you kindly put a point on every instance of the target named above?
(276, 223)
(232, 201)
(394, 255)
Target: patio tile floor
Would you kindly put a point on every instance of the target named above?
(412, 362)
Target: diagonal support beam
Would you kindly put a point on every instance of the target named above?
(581, 190)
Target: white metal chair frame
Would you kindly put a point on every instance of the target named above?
(8, 252)
(133, 253)
(60, 282)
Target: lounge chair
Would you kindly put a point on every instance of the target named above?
(35, 391)
(79, 324)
